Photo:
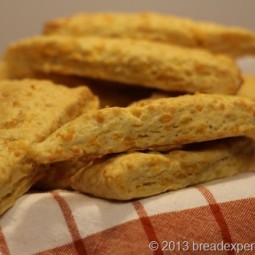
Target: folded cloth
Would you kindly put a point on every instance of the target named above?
(215, 218)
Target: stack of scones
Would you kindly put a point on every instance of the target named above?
(124, 106)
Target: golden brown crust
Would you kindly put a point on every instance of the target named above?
(248, 87)
(31, 110)
(234, 41)
(150, 64)
(137, 174)
(162, 122)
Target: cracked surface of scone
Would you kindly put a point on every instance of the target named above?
(167, 122)
(248, 87)
(30, 110)
(234, 41)
(137, 174)
(150, 64)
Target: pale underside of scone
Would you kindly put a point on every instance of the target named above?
(136, 174)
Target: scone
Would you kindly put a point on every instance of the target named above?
(234, 41)
(31, 110)
(156, 125)
(150, 64)
(136, 174)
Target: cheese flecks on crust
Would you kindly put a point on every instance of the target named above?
(167, 122)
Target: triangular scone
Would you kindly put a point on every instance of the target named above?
(234, 41)
(30, 110)
(150, 64)
(137, 174)
(248, 87)
(167, 122)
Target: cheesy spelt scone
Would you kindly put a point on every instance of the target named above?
(157, 124)
(150, 64)
(136, 174)
(30, 110)
(234, 41)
